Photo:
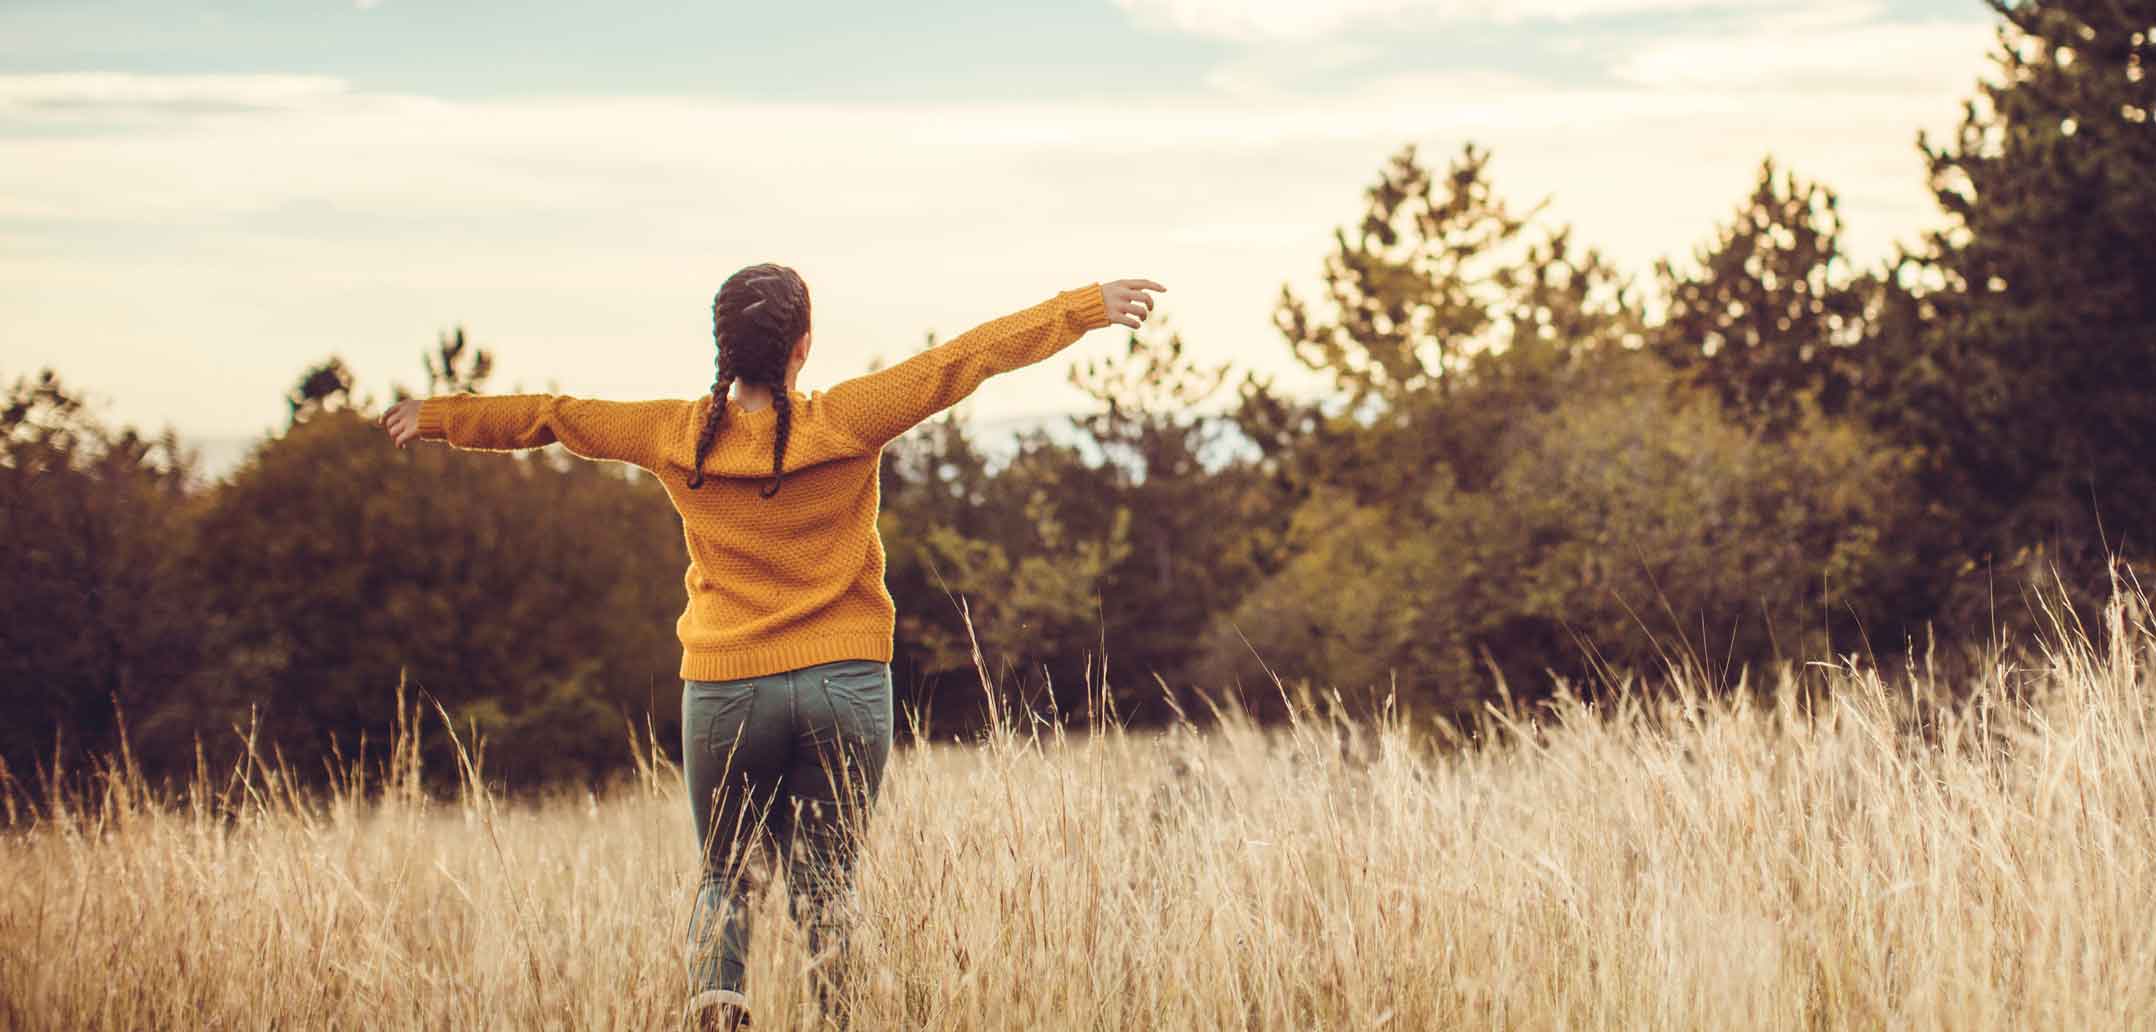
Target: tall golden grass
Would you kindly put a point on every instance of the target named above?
(1845, 848)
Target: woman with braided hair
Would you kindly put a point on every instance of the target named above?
(786, 640)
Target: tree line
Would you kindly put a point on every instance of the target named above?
(1527, 466)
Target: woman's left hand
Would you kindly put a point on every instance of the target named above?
(1127, 300)
(402, 422)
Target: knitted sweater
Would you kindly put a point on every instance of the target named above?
(796, 579)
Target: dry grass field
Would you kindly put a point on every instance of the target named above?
(1868, 856)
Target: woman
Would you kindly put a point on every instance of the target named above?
(786, 640)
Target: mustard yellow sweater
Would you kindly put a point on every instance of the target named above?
(796, 579)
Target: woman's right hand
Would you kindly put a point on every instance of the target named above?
(402, 422)
(1127, 300)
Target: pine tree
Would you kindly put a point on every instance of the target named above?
(1767, 318)
(2040, 349)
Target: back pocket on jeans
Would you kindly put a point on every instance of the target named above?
(717, 715)
(864, 692)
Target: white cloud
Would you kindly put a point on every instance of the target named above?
(1253, 20)
(1266, 69)
(1822, 49)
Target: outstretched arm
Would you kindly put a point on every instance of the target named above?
(888, 402)
(622, 431)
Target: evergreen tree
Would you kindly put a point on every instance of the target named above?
(1414, 289)
(1201, 522)
(1767, 318)
(323, 388)
(2033, 377)
(1441, 289)
(456, 367)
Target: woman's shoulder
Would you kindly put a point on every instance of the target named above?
(812, 434)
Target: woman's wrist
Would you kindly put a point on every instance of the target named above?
(431, 412)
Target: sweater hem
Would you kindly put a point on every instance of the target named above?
(732, 664)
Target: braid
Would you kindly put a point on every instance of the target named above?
(717, 415)
(758, 316)
(785, 408)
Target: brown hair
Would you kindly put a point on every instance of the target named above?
(756, 318)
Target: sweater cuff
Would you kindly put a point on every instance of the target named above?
(430, 420)
(1089, 305)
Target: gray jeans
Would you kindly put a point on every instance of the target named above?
(787, 764)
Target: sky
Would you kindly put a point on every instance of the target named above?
(198, 200)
